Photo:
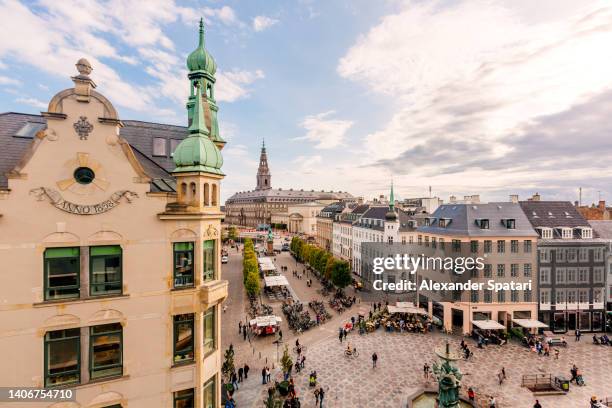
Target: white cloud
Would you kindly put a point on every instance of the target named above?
(32, 102)
(233, 85)
(326, 133)
(4, 80)
(465, 80)
(261, 23)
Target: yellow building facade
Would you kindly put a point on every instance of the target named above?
(111, 286)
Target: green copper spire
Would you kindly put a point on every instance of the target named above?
(197, 153)
(391, 215)
(200, 59)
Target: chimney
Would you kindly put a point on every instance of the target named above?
(514, 198)
(535, 197)
(475, 198)
(452, 199)
(602, 205)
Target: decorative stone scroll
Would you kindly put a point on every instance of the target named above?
(58, 201)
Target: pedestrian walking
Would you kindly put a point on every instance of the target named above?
(263, 375)
(573, 372)
(246, 371)
(316, 394)
(240, 374)
(302, 361)
(244, 333)
(234, 379)
(224, 308)
(345, 333)
(537, 404)
(471, 394)
(374, 359)
(426, 371)
(500, 377)
(280, 335)
(578, 334)
(268, 374)
(340, 333)
(503, 371)
(492, 402)
(240, 327)
(556, 354)
(321, 396)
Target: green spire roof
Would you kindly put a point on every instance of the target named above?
(197, 152)
(391, 198)
(200, 59)
(391, 215)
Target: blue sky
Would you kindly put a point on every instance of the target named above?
(469, 97)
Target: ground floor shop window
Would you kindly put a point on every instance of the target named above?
(62, 357)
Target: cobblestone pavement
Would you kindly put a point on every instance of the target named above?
(353, 383)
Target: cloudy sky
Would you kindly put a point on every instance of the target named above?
(489, 97)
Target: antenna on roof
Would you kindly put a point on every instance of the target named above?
(429, 191)
(580, 197)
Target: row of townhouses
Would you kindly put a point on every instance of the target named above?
(566, 258)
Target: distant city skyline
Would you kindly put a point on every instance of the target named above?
(471, 97)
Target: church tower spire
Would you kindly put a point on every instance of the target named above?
(263, 172)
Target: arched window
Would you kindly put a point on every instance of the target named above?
(214, 195)
(183, 190)
(192, 190)
(206, 194)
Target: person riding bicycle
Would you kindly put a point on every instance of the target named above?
(349, 349)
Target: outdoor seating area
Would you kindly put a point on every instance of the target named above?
(262, 325)
(489, 332)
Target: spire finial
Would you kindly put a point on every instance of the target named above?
(263, 144)
(198, 126)
(201, 32)
(391, 197)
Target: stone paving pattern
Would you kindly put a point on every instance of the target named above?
(353, 382)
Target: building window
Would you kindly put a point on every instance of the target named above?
(456, 245)
(105, 270)
(527, 295)
(546, 233)
(173, 145)
(501, 246)
(501, 296)
(559, 296)
(62, 268)
(474, 246)
(598, 254)
(483, 223)
(474, 296)
(545, 296)
(514, 296)
(62, 357)
(571, 275)
(527, 246)
(184, 398)
(159, 146)
(210, 388)
(488, 296)
(544, 275)
(566, 233)
(183, 338)
(571, 296)
(583, 296)
(527, 269)
(106, 350)
(501, 270)
(210, 343)
(514, 270)
(560, 275)
(598, 274)
(183, 264)
(208, 260)
(487, 271)
(488, 247)
(514, 246)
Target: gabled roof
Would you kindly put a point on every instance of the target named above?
(461, 219)
(602, 229)
(138, 134)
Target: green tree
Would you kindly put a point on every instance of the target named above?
(286, 361)
(329, 267)
(341, 274)
(251, 284)
(232, 233)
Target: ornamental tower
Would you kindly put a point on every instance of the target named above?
(263, 172)
(391, 220)
(202, 69)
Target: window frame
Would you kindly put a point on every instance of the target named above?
(91, 271)
(46, 286)
(205, 339)
(176, 398)
(47, 342)
(92, 336)
(153, 153)
(175, 324)
(212, 384)
(176, 252)
(211, 275)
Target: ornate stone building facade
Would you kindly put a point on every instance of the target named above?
(111, 280)
(259, 206)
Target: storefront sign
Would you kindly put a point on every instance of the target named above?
(82, 209)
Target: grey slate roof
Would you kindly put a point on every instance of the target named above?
(553, 214)
(603, 229)
(463, 220)
(378, 213)
(138, 134)
(291, 195)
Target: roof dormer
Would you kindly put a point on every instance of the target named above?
(483, 223)
(545, 232)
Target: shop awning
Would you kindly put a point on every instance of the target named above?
(530, 323)
(406, 307)
(263, 321)
(276, 281)
(488, 324)
(266, 264)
